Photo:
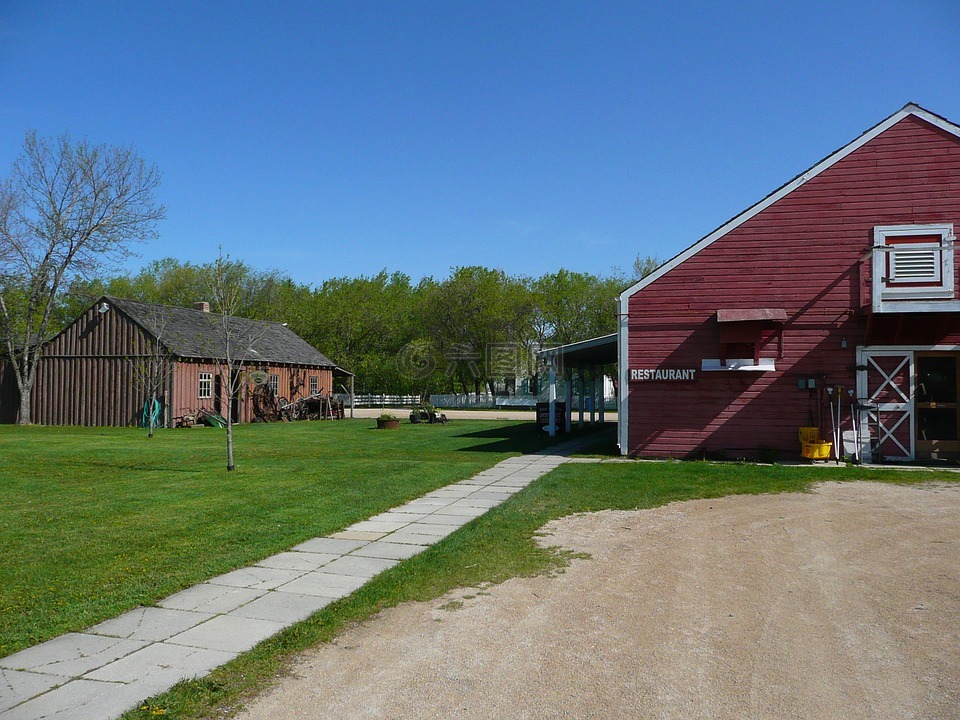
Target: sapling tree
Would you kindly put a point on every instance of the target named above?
(153, 368)
(237, 337)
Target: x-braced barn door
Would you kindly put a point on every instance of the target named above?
(885, 387)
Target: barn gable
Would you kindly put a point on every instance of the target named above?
(85, 375)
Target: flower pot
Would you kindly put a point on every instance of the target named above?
(387, 424)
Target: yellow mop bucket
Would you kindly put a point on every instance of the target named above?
(812, 446)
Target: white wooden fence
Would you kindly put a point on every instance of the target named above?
(385, 400)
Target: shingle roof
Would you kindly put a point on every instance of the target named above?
(193, 333)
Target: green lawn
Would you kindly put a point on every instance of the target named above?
(495, 547)
(96, 521)
(99, 520)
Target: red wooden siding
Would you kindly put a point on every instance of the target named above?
(293, 383)
(804, 253)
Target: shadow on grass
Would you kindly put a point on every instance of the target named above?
(603, 446)
(524, 438)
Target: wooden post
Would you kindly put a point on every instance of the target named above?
(580, 397)
(552, 398)
(600, 393)
(568, 412)
(593, 395)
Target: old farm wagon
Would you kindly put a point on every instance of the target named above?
(91, 373)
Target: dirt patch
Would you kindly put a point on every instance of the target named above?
(839, 603)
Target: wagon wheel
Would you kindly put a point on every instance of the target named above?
(264, 404)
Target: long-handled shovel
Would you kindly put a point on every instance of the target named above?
(856, 432)
(835, 425)
(833, 435)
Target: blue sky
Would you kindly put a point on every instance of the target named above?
(325, 139)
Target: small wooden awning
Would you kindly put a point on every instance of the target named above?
(750, 326)
(748, 315)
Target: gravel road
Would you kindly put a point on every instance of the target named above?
(844, 602)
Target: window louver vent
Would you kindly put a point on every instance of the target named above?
(915, 265)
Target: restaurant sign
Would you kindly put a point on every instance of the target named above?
(661, 374)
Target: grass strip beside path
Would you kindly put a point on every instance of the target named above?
(96, 521)
(493, 548)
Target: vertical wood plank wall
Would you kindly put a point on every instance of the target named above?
(293, 383)
(9, 394)
(86, 376)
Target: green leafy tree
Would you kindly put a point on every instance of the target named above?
(474, 310)
(571, 306)
(362, 324)
(435, 336)
(644, 265)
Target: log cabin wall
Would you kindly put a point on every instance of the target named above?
(9, 394)
(86, 374)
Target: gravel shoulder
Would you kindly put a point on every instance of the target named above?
(841, 602)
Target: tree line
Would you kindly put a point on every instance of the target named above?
(462, 333)
(70, 211)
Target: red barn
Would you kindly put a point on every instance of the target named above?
(88, 373)
(837, 288)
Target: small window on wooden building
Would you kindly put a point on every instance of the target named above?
(205, 389)
(314, 384)
(912, 262)
(745, 335)
(275, 385)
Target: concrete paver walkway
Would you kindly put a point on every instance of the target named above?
(106, 670)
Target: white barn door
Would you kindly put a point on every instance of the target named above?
(885, 383)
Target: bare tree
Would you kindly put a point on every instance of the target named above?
(68, 209)
(239, 337)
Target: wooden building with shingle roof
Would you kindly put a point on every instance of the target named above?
(88, 372)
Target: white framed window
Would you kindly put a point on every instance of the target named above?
(274, 384)
(314, 384)
(912, 262)
(205, 389)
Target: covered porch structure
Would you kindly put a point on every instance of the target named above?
(344, 377)
(585, 359)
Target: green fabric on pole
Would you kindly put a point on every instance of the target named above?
(156, 413)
